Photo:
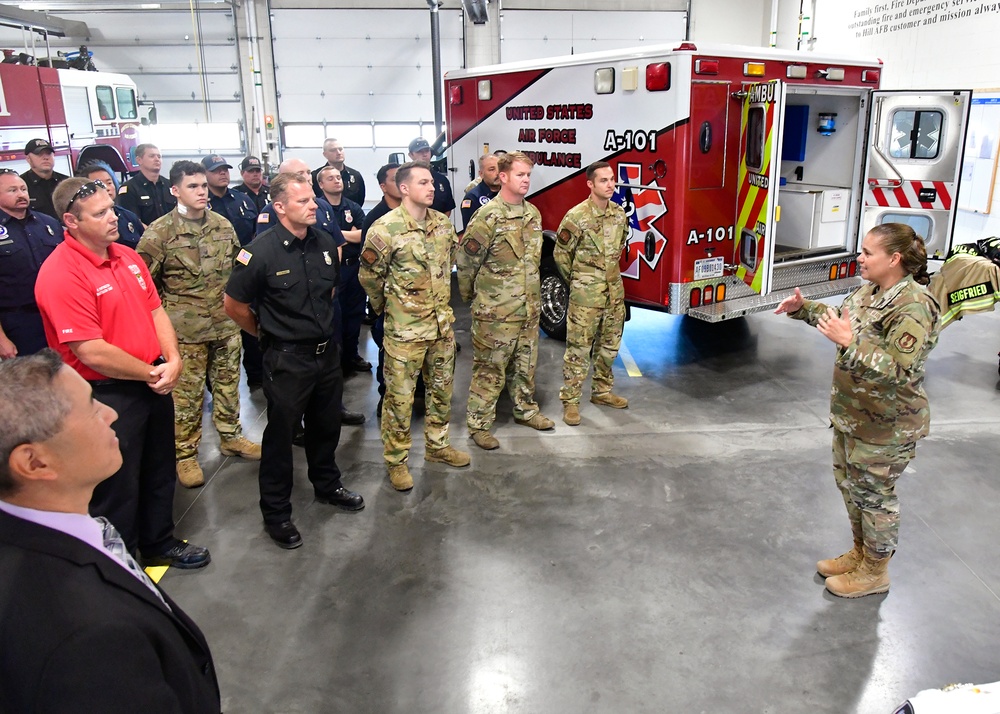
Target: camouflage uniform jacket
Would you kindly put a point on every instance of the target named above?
(878, 380)
(190, 263)
(406, 271)
(587, 253)
(498, 263)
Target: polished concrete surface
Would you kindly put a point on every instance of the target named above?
(656, 559)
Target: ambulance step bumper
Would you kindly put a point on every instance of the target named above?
(728, 309)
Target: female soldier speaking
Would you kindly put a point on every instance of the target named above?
(878, 406)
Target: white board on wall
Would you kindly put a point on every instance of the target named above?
(979, 165)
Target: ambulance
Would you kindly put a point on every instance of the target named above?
(744, 171)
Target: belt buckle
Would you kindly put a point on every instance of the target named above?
(321, 347)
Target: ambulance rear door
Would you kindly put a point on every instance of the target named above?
(760, 142)
(916, 141)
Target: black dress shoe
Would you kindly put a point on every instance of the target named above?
(185, 556)
(359, 364)
(351, 418)
(348, 500)
(299, 437)
(285, 534)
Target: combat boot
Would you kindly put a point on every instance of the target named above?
(609, 399)
(189, 473)
(842, 564)
(539, 422)
(484, 439)
(240, 446)
(571, 414)
(869, 578)
(399, 477)
(448, 455)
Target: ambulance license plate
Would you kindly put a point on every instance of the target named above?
(708, 268)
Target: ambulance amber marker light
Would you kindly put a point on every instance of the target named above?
(706, 66)
(720, 292)
(658, 77)
(753, 69)
(833, 271)
(456, 95)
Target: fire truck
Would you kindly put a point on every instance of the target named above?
(84, 115)
(744, 171)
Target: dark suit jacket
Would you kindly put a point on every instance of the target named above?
(79, 633)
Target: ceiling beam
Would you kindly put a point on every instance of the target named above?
(42, 22)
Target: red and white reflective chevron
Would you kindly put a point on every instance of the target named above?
(909, 194)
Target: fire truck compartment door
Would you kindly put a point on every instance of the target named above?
(760, 142)
(916, 141)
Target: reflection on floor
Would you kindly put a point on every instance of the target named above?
(656, 559)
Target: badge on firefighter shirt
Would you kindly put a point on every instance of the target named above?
(327, 258)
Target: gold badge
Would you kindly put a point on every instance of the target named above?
(327, 258)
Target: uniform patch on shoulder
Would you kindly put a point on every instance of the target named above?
(906, 342)
(123, 189)
(244, 256)
(369, 256)
(263, 218)
(467, 203)
(564, 236)
(374, 239)
(472, 246)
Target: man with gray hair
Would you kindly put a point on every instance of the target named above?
(81, 621)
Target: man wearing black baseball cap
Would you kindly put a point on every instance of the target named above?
(444, 201)
(41, 179)
(253, 182)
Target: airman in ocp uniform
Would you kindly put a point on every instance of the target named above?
(591, 238)
(406, 271)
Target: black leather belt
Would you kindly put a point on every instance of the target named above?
(111, 382)
(300, 348)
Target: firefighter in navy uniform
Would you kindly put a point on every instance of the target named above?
(40, 178)
(130, 228)
(420, 150)
(253, 182)
(354, 184)
(26, 240)
(147, 194)
(237, 207)
(484, 191)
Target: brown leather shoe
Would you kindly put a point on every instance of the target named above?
(189, 473)
(485, 440)
(609, 399)
(448, 455)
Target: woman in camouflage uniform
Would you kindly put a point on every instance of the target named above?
(878, 406)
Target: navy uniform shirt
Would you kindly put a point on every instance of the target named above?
(354, 185)
(480, 195)
(146, 199)
(129, 227)
(40, 191)
(259, 199)
(239, 209)
(24, 245)
(443, 200)
(350, 216)
(326, 220)
(291, 281)
(381, 208)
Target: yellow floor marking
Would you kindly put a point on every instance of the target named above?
(156, 572)
(630, 366)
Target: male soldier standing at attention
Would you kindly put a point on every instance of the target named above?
(147, 194)
(190, 254)
(591, 239)
(498, 271)
(354, 184)
(406, 271)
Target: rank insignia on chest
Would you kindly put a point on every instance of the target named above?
(138, 275)
(327, 258)
(244, 256)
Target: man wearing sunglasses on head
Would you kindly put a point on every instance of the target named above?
(102, 314)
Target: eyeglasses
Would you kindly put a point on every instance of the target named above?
(86, 191)
(9, 171)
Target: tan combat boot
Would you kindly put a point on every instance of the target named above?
(609, 399)
(484, 439)
(571, 414)
(539, 422)
(869, 578)
(189, 473)
(399, 477)
(240, 446)
(843, 563)
(448, 455)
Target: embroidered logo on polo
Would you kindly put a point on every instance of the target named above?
(106, 288)
(134, 269)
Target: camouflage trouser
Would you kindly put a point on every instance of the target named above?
(499, 350)
(591, 333)
(220, 361)
(403, 362)
(866, 476)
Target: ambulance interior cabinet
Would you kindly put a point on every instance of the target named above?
(812, 217)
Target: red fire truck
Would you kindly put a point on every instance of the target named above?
(744, 171)
(84, 115)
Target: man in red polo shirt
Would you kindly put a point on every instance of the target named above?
(102, 314)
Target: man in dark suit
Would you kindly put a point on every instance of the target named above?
(84, 628)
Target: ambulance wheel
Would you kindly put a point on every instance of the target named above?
(555, 300)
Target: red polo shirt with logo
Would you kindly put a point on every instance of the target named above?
(85, 297)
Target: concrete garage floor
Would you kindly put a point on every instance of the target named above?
(657, 559)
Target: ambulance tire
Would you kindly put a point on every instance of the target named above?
(555, 300)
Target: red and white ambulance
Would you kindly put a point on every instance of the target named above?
(744, 171)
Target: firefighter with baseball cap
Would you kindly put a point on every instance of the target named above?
(41, 178)
(420, 150)
(238, 208)
(253, 186)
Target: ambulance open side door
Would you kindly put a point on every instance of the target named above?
(756, 204)
(916, 142)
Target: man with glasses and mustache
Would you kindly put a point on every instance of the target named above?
(103, 316)
(27, 237)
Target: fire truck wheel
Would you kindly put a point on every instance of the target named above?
(555, 300)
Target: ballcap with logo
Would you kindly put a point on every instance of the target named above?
(37, 146)
(213, 162)
(419, 144)
(250, 163)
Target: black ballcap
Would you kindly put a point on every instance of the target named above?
(37, 146)
(419, 144)
(250, 163)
